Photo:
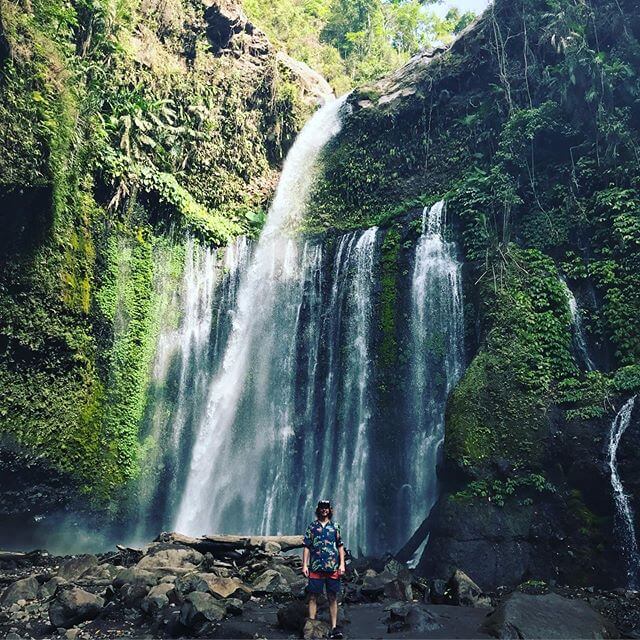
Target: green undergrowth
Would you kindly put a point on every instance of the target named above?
(122, 132)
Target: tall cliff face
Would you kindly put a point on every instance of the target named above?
(122, 124)
(529, 127)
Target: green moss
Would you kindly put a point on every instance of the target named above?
(389, 280)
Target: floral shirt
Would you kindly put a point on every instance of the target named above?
(323, 543)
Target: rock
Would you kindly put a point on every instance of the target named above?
(465, 592)
(315, 89)
(272, 548)
(101, 572)
(47, 589)
(227, 587)
(156, 598)
(315, 629)
(292, 617)
(200, 608)
(134, 575)
(234, 606)
(271, 582)
(133, 594)
(72, 634)
(71, 606)
(74, 567)
(546, 616)
(189, 583)
(410, 617)
(438, 589)
(25, 589)
(373, 585)
(398, 590)
(162, 556)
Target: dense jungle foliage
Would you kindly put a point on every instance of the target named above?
(355, 41)
(529, 126)
(120, 121)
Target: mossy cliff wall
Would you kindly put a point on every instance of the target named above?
(529, 126)
(123, 125)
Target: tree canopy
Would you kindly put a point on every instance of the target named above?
(354, 41)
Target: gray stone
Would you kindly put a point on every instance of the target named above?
(47, 589)
(25, 589)
(172, 557)
(271, 582)
(292, 617)
(189, 583)
(465, 592)
(200, 608)
(406, 616)
(71, 606)
(373, 585)
(220, 587)
(546, 616)
(156, 598)
(234, 606)
(134, 575)
(73, 633)
(74, 567)
(315, 629)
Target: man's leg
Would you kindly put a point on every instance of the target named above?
(333, 608)
(313, 606)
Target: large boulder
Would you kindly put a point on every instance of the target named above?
(25, 589)
(71, 606)
(547, 616)
(226, 587)
(170, 558)
(315, 629)
(292, 617)
(157, 598)
(465, 592)
(374, 584)
(133, 575)
(48, 588)
(199, 609)
(405, 616)
(271, 582)
(74, 567)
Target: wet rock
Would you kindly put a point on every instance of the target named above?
(47, 589)
(133, 594)
(156, 598)
(71, 606)
(227, 587)
(410, 617)
(25, 589)
(465, 592)
(438, 589)
(547, 616)
(233, 606)
(73, 633)
(133, 575)
(162, 556)
(189, 583)
(74, 567)
(200, 608)
(374, 585)
(292, 617)
(314, 629)
(271, 582)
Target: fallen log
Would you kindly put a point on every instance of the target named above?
(228, 544)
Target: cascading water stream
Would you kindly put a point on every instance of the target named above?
(579, 339)
(624, 512)
(241, 453)
(437, 348)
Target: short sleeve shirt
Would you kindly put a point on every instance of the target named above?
(323, 543)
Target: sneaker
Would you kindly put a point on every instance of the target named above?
(336, 633)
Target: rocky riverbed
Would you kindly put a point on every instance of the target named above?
(233, 587)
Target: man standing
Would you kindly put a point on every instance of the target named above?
(323, 562)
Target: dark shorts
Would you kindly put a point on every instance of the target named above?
(317, 585)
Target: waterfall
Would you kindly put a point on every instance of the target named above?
(194, 324)
(437, 356)
(238, 476)
(580, 343)
(624, 512)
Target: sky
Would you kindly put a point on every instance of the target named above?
(477, 6)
